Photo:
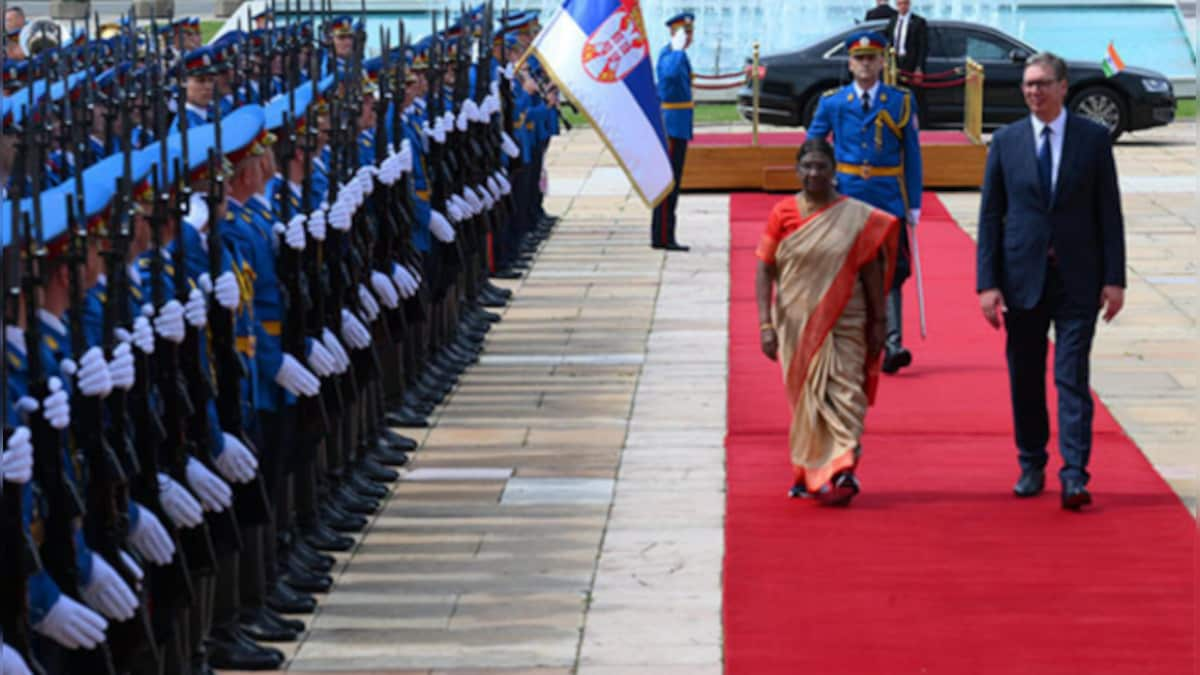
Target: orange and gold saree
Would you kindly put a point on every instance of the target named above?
(820, 315)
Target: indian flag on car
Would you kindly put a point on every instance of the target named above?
(1112, 62)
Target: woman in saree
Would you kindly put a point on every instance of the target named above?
(826, 258)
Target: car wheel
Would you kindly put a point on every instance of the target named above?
(1103, 106)
(809, 111)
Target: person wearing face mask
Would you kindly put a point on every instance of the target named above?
(674, 73)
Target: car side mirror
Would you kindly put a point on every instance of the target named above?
(1018, 55)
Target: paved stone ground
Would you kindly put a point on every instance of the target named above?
(565, 512)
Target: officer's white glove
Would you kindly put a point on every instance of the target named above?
(16, 463)
(366, 179)
(179, 504)
(494, 89)
(295, 378)
(133, 568)
(56, 407)
(11, 662)
(508, 145)
(385, 289)
(467, 207)
(316, 224)
(463, 119)
(486, 195)
(679, 40)
(168, 323)
(150, 539)
(367, 302)
(914, 216)
(493, 187)
(292, 234)
(214, 493)
(236, 463)
(454, 212)
(107, 593)
(336, 349)
(120, 368)
(405, 157)
(320, 360)
(439, 131)
(403, 280)
(475, 199)
(340, 216)
(196, 309)
(227, 291)
(440, 227)
(416, 274)
(505, 186)
(72, 625)
(471, 110)
(510, 70)
(354, 332)
(91, 375)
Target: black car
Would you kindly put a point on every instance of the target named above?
(1133, 99)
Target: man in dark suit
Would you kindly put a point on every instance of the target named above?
(909, 35)
(881, 10)
(1051, 252)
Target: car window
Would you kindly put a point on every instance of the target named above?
(986, 48)
(946, 43)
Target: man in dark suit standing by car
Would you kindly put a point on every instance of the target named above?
(881, 10)
(909, 35)
(1051, 252)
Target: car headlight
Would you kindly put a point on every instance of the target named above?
(1155, 86)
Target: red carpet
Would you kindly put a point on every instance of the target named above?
(795, 138)
(936, 568)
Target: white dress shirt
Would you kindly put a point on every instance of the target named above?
(901, 33)
(873, 91)
(1058, 128)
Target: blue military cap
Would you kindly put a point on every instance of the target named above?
(229, 39)
(865, 41)
(285, 106)
(201, 61)
(263, 17)
(244, 134)
(342, 25)
(682, 18)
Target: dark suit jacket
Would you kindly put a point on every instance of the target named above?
(1018, 224)
(916, 42)
(881, 12)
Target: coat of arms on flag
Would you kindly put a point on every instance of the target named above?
(615, 48)
(1112, 62)
(597, 53)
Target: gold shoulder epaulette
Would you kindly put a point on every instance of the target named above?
(829, 92)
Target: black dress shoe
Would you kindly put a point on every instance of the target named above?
(286, 600)
(840, 490)
(375, 471)
(493, 288)
(352, 502)
(306, 581)
(398, 441)
(1030, 484)
(508, 273)
(489, 316)
(311, 557)
(294, 624)
(230, 649)
(405, 417)
(260, 626)
(322, 538)
(1075, 496)
(388, 455)
(340, 521)
(895, 359)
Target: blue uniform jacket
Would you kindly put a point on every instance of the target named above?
(675, 92)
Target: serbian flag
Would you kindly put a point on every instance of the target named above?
(597, 53)
(1112, 62)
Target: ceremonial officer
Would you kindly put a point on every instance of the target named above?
(675, 92)
(874, 129)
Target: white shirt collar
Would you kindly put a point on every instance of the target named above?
(873, 91)
(52, 321)
(15, 335)
(1057, 127)
(198, 110)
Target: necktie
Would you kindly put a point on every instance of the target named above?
(866, 99)
(898, 38)
(1046, 166)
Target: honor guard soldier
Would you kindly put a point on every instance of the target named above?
(874, 127)
(675, 92)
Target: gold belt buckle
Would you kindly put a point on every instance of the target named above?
(865, 171)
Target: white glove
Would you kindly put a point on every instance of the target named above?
(16, 463)
(11, 662)
(353, 331)
(316, 224)
(485, 196)
(389, 170)
(169, 322)
(493, 187)
(463, 119)
(505, 186)
(472, 111)
(366, 179)
(120, 368)
(473, 199)
(214, 493)
(196, 309)
(509, 146)
(385, 289)
(133, 568)
(455, 213)
(236, 463)
(150, 539)
(72, 625)
(440, 227)
(91, 375)
(438, 134)
(227, 291)
(470, 204)
(914, 217)
(339, 217)
(335, 348)
(510, 70)
(403, 281)
(320, 360)
(405, 157)
(416, 274)
(296, 378)
(179, 504)
(142, 336)
(107, 593)
(56, 407)
(370, 308)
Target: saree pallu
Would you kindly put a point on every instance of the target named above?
(821, 318)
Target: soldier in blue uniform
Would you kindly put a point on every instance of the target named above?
(199, 67)
(874, 129)
(675, 92)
